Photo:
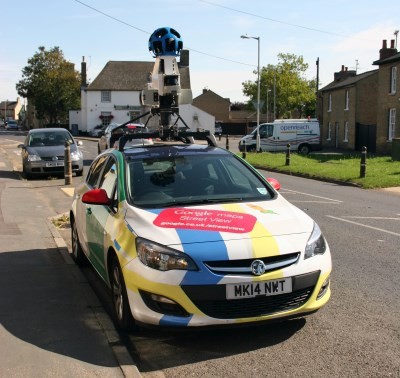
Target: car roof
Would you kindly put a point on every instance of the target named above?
(158, 150)
(50, 130)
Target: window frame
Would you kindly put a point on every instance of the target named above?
(329, 138)
(393, 80)
(105, 96)
(330, 102)
(391, 124)
(346, 99)
(346, 132)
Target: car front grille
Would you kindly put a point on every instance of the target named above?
(211, 299)
(251, 307)
(51, 158)
(243, 266)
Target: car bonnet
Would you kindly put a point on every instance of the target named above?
(223, 222)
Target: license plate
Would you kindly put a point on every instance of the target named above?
(55, 164)
(262, 288)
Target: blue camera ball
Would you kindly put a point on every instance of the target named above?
(165, 41)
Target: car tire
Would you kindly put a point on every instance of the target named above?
(27, 175)
(121, 308)
(79, 173)
(77, 253)
(304, 149)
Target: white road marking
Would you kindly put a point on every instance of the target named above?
(299, 201)
(312, 195)
(364, 225)
(355, 217)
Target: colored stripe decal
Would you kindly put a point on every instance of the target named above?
(168, 320)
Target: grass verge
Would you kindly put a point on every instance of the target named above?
(381, 171)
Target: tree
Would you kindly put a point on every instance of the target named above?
(293, 93)
(51, 84)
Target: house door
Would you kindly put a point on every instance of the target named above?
(365, 136)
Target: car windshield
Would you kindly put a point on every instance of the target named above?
(193, 179)
(48, 139)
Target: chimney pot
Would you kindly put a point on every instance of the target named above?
(392, 44)
(384, 44)
(342, 67)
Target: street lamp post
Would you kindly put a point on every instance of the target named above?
(258, 90)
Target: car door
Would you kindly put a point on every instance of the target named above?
(267, 141)
(98, 215)
(91, 182)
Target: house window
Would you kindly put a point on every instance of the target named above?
(330, 103)
(393, 75)
(392, 124)
(105, 96)
(106, 118)
(329, 131)
(346, 132)
(346, 100)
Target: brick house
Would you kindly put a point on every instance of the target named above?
(232, 121)
(11, 109)
(362, 110)
(388, 108)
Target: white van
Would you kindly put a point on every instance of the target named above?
(302, 134)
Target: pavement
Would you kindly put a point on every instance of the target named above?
(52, 324)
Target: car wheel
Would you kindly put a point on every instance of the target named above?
(77, 253)
(122, 311)
(27, 175)
(79, 173)
(304, 149)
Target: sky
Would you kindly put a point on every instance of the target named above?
(339, 32)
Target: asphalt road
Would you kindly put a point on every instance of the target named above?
(356, 335)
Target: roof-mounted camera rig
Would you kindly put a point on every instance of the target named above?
(163, 91)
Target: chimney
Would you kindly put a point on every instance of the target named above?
(83, 73)
(386, 52)
(344, 74)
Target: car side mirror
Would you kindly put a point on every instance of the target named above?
(96, 197)
(274, 182)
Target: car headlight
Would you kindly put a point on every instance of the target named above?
(316, 243)
(76, 155)
(162, 258)
(33, 157)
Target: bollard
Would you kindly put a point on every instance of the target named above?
(244, 150)
(67, 164)
(363, 163)
(288, 154)
(227, 142)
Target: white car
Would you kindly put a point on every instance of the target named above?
(190, 235)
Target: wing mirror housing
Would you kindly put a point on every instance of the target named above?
(274, 182)
(96, 197)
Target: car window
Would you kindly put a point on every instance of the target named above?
(49, 139)
(108, 180)
(95, 170)
(187, 179)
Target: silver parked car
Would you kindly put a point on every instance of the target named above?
(43, 152)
